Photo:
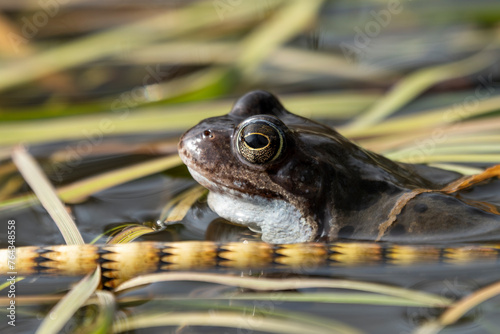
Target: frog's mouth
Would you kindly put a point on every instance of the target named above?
(209, 184)
(279, 221)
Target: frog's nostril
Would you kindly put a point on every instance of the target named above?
(207, 134)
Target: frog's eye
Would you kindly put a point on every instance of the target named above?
(260, 141)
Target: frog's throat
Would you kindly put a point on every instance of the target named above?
(279, 221)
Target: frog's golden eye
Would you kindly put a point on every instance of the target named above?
(260, 141)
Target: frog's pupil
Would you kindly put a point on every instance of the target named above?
(256, 140)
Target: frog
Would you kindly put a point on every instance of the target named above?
(295, 180)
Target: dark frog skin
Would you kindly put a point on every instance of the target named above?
(295, 180)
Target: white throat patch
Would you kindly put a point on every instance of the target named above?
(279, 221)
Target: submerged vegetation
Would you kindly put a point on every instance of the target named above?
(99, 93)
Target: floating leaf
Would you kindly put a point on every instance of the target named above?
(130, 233)
(177, 207)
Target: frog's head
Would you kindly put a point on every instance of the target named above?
(260, 169)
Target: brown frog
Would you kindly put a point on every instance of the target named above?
(295, 180)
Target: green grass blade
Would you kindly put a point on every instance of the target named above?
(103, 322)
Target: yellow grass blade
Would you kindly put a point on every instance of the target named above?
(79, 190)
(426, 120)
(415, 83)
(326, 297)
(238, 320)
(462, 158)
(130, 234)
(175, 117)
(166, 24)
(178, 206)
(47, 195)
(285, 58)
(285, 24)
(66, 307)
(269, 284)
(457, 168)
(459, 309)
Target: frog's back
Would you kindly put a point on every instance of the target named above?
(363, 187)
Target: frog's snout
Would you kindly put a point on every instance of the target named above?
(195, 145)
(187, 146)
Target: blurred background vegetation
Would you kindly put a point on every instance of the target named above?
(100, 91)
(73, 69)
